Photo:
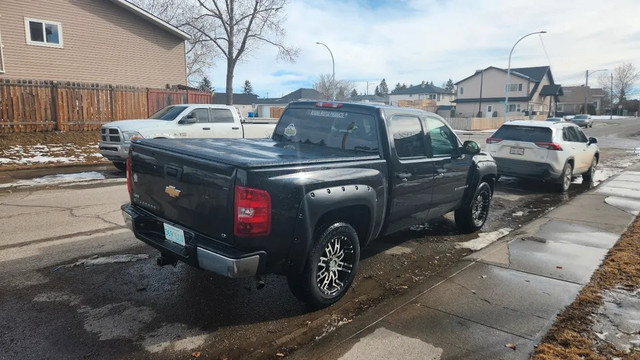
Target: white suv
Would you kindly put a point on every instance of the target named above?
(543, 150)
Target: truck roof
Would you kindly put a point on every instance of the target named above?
(351, 105)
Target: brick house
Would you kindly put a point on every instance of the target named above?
(91, 41)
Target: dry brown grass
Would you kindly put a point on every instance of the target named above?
(81, 145)
(571, 336)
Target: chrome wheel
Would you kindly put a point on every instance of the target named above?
(472, 216)
(335, 265)
(480, 207)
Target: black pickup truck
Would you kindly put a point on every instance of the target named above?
(333, 177)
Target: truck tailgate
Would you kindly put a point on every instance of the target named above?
(186, 191)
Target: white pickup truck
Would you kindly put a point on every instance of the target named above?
(178, 121)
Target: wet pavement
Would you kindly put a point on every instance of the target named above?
(507, 294)
(121, 305)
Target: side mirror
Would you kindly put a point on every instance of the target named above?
(189, 119)
(592, 140)
(470, 147)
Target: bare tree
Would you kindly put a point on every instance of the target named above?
(328, 87)
(199, 50)
(624, 78)
(235, 27)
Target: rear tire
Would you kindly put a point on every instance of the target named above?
(566, 177)
(472, 216)
(589, 175)
(120, 165)
(330, 268)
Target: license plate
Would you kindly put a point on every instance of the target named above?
(174, 234)
(516, 151)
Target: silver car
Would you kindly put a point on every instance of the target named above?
(583, 120)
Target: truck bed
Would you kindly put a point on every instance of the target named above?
(253, 153)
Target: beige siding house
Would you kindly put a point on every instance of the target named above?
(423, 91)
(531, 90)
(96, 41)
(574, 98)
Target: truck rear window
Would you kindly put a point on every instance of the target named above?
(332, 128)
(523, 133)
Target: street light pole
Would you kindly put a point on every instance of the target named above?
(586, 88)
(333, 73)
(506, 98)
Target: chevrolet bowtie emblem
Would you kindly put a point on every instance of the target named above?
(172, 191)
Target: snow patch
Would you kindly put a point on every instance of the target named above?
(116, 321)
(176, 337)
(96, 260)
(483, 240)
(387, 344)
(56, 179)
(57, 297)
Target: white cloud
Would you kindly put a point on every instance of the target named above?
(408, 41)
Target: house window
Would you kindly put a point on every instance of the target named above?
(461, 90)
(514, 87)
(43, 33)
(514, 107)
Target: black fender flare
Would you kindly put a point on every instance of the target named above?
(479, 171)
(319, 202)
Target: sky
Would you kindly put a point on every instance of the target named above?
(408, 41)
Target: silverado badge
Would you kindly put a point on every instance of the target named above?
(172, 191)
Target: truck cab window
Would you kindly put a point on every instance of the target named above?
(222, 116)
(201, 115)
(407, 136)
(443, 141)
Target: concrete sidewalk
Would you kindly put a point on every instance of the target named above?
(499, 302)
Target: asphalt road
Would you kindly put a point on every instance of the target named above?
(75, 284)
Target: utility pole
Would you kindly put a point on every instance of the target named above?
(611, 91)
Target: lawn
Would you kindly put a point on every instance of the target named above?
(44, 149)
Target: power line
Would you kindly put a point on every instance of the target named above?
(545, 50)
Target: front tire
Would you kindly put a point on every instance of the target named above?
(472, 216)
(566, 177)
(590, 174)
(330, 268)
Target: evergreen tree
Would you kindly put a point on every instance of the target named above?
(449, 86)
(354, 93)
(398, 87)
(383, 88)
(205, 85)
(247, 88)
(377, 92)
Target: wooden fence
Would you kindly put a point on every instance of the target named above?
(30, 105)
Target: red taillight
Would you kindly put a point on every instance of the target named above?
(549, 146)
(325, 104)
(129, 184)
(493, 140)
(252, 212)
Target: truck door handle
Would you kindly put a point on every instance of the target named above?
(404, 176)
(206, 128)
(235, 128)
